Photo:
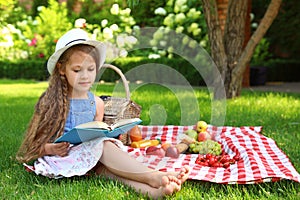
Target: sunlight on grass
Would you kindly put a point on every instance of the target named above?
(278, 113)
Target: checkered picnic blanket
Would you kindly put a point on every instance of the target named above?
(262, 160)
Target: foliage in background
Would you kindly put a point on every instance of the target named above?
(184, 17)
(35, 38)
(261, 53)
(283, 35)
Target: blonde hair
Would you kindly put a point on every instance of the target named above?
(51, 110)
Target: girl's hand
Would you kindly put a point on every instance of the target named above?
(60, 149)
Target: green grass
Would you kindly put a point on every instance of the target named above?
(278, 113)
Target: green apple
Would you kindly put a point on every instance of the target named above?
(192, 133)
(201, 126)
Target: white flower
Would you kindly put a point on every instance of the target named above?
(196, 31)
(131, 40)
(180, 2)
(136, 27)
(154, 56)
(179, 18)
(160, 11)
(193, 13)
(176, 9)
(107, 33)
(125, 12)
(170, 50)
(252, 16)
(203, 43)
(162, 52)
(80, 23)
(120, 41)
(192, 44)
(40, 8)
(185, 40)
(184, 8)
(192, 27)
(158, 35)
(114, 27)
(169, 20)
(254, 25)
(123, 53)
(115, 9)
(162, 43)
(153, 42)
(104, 22)
(179, 29)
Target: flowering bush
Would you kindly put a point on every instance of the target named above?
(36, 38)
(116, 32)
(184, 17)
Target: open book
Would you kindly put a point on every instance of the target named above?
(96, 129)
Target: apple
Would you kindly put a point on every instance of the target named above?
(201, 126)
(172, 152)
(165, 145)
(202, 136)
(153, 150)
(192, 133)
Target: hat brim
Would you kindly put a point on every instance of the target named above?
(101, 48)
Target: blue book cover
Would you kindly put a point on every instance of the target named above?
(96, 129)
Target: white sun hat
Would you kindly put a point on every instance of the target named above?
(71, 38)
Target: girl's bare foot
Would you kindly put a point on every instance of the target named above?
(170, 184)
(184, 173)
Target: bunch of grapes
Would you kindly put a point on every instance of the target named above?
(206, 147)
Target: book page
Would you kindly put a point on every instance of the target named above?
(94, 124)
(123, 122)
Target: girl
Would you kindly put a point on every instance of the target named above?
(68, 102)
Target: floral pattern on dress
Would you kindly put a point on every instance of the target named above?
(80, 159)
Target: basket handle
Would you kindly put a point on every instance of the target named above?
(124, 80)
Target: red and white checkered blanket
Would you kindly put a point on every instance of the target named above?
(262, 160)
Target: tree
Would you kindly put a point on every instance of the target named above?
(227, 51)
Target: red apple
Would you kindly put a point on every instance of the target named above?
(153, 150)
(202, 136)
(172, 152)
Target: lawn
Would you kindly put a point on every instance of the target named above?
(278, 113)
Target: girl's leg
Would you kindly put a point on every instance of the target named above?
(169, 184)
(121, 164)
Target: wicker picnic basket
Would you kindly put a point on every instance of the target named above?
(116, 108)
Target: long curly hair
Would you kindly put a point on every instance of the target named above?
(51, 110)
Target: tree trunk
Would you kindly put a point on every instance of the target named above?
(234, 36)
(216, 40)
(228, 54)
(246, 75)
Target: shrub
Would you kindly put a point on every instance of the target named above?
(36, 69)
(29, 69)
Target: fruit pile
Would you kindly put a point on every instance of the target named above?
(223, 160)
(210, 151)
(206, 147)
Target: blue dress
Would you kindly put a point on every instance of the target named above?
(81, 158)
(81, 111)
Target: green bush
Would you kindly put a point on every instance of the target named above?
(36, 69)
(29, 69)
(277, 70)
(182, 66)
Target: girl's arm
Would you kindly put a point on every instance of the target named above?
(99, 109)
